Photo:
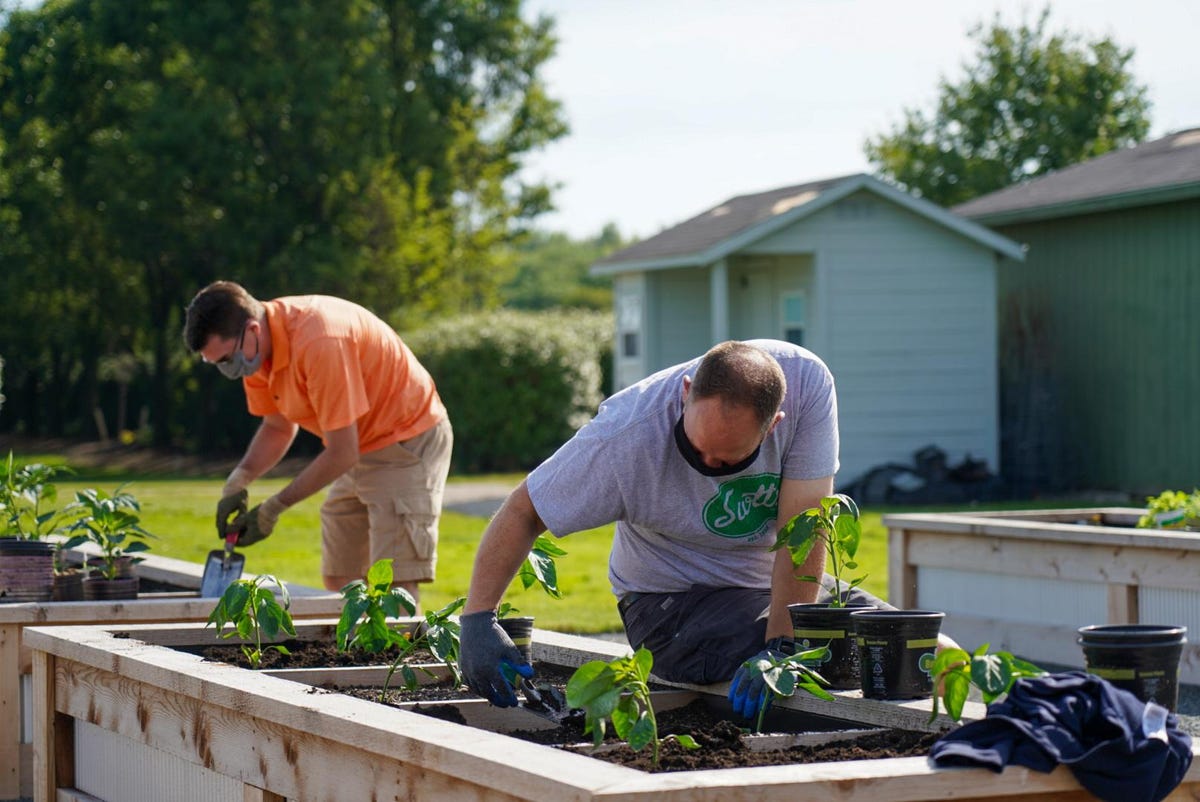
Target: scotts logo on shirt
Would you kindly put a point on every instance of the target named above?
(744, 506)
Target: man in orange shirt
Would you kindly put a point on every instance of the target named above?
(338, 371)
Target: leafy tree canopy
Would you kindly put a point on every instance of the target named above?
(370, 149)
(552, 271)
(1031, 102)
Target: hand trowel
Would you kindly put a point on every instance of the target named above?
(222, 568)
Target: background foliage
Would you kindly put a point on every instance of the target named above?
(1032, 102)
(517, 384)
(361, 148)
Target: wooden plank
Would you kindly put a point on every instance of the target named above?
(990, 525)
(10, 712)
(253, 794)
(360, 676)
(298, 758)
(1056, 560)
(1123, 604)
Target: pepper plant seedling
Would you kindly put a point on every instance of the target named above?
(955, 671)
(619, 691)
(367, 606)
(539, 566)
(440, 634)
(251, 607)
(835, 522)
(783, 675)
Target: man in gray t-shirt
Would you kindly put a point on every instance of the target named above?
(697, 465)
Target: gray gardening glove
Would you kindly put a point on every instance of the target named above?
(259, 522)
(485, 655)
(234, 503)
(747, 691)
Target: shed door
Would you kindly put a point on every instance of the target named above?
(770, 297)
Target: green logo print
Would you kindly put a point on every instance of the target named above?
(744, 506)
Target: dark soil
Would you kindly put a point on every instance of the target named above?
(306, 654)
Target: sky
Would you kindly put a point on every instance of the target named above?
(676, 105)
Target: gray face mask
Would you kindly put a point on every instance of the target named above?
(237, 366)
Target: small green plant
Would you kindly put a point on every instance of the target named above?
(955, 671)
(1172, 509)
(255, 614)
(619, 691)
(367, 606)
(28, 501)
(439, 633)
(783, 675)
(539, 567)
(836, 523)
(113, 523)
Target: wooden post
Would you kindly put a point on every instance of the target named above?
(10, 711)
(902, 577)
(252, 794)
(1123, 604)
(53, 734)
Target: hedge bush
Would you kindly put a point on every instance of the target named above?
(517, 384)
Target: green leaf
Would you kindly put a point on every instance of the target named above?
(992, 674)
(642, 733)
(686, 741)
(956, 687)
(379, 575)
(847, 532)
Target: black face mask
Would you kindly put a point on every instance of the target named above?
(689, 453)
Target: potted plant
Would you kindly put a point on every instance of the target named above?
(112, 523)
(1172, 509)
(835, 522)
(28, 517)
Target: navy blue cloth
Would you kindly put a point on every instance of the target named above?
(1083, 722)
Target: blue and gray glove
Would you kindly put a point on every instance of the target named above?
(747, 690)
(486, 655)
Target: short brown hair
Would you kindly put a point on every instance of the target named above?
(222, 308)
(744, 375)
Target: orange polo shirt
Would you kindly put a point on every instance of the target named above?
(334, 363)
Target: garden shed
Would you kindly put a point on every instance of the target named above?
(896, 294)
(1099, 342)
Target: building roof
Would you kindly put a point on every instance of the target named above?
(1153, 172)
(741, 220)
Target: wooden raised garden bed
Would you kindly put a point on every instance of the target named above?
(1026, 581)
(175, 586)
(230, 734)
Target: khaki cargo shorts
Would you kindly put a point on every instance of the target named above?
(387, 507)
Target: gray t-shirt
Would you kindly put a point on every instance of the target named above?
(676, 527)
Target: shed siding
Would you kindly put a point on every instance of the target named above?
(678, 319)
(908, 327)
(1100, 348)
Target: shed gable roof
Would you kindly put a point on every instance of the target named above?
(723, 229)
(1152, 172)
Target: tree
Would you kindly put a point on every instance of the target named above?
(1032, 102)
(552, 271)
(364, 148)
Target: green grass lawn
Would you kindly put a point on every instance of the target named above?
(180, 513)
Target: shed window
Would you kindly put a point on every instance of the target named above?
(629, 344)
(794, 317)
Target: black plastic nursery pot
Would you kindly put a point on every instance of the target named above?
(96, 588)
(896, 651)
(26, 570)
(520, 631)
(816, 625)
(1141, 658)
